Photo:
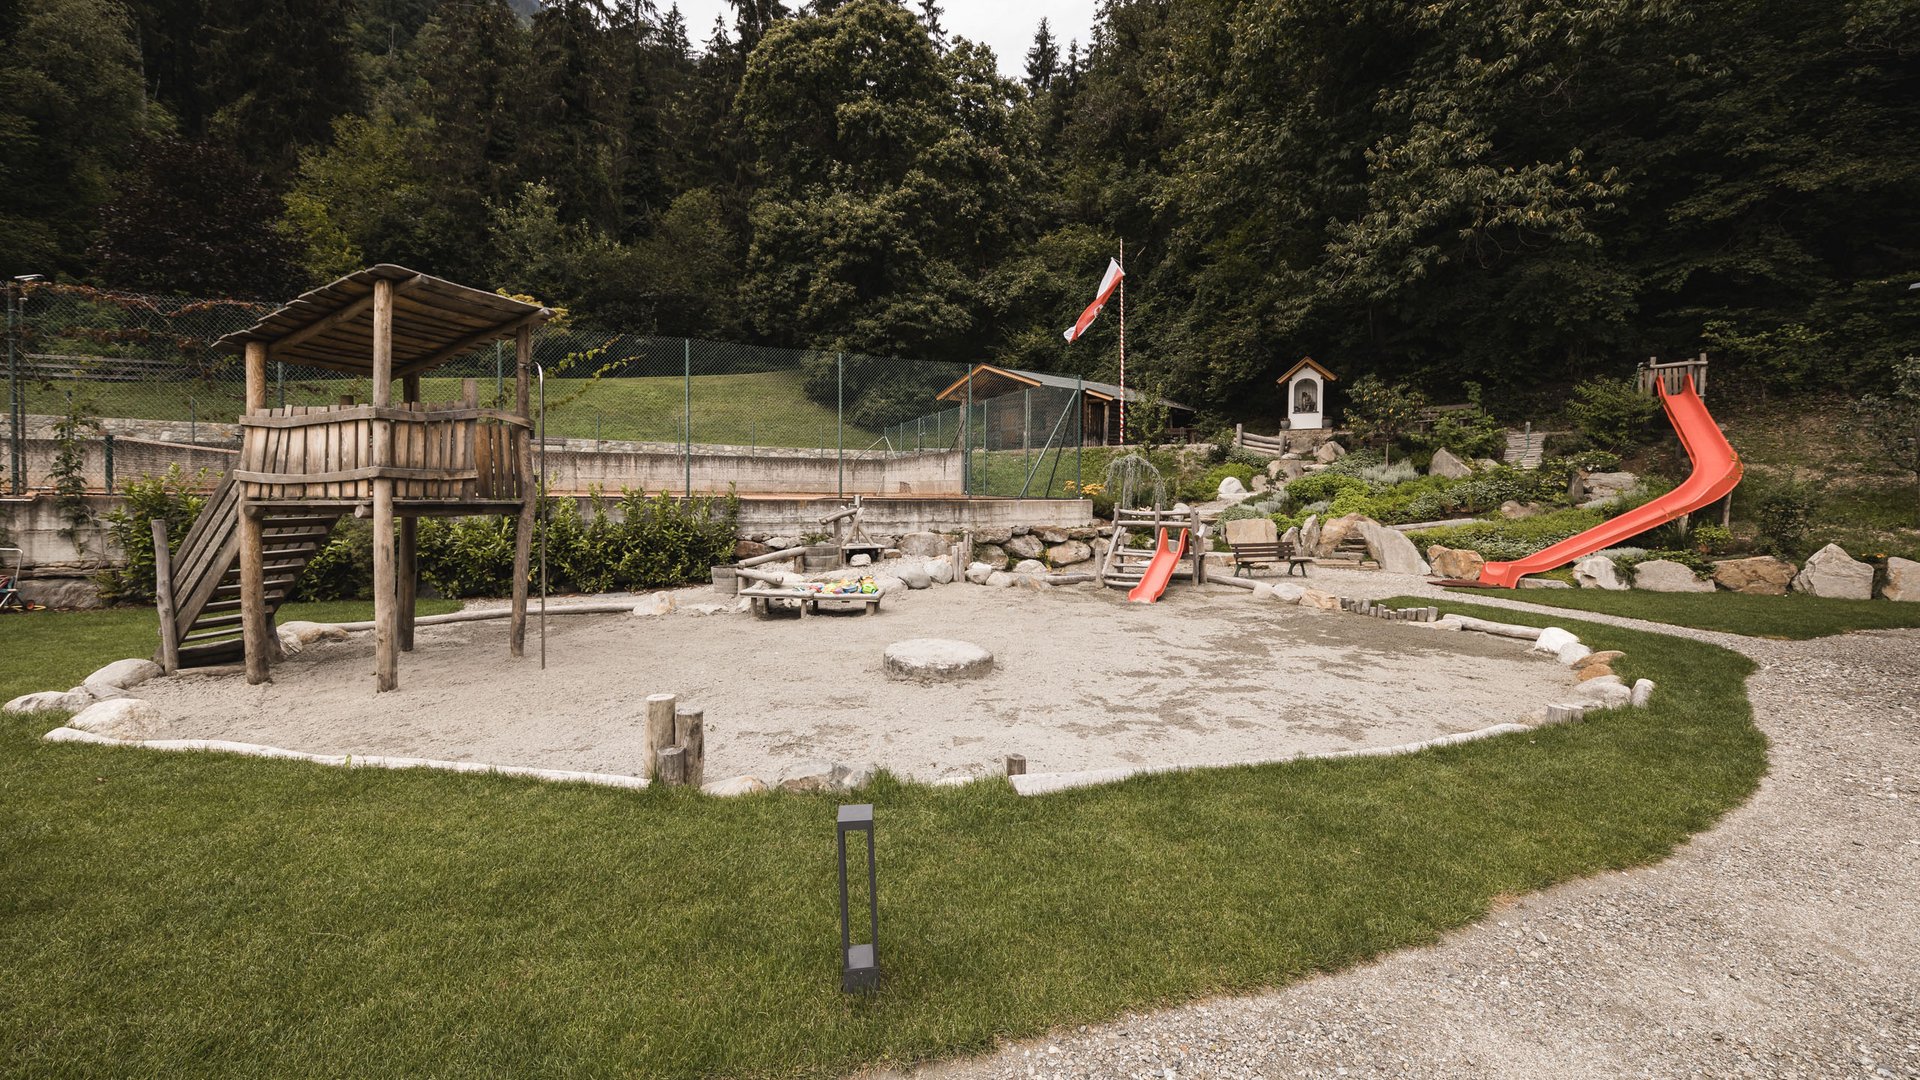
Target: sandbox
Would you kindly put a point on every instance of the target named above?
(1081, 680)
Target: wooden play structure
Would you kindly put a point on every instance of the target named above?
(302, 468)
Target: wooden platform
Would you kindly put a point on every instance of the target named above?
(810, 601)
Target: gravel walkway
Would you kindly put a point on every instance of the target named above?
(1784, 942)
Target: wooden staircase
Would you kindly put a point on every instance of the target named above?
(206, 571)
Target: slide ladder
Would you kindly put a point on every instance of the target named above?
(1716, 471)
(206, 571)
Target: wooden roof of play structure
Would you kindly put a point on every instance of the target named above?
(434, 321)
(990, 380)
(1308, 362)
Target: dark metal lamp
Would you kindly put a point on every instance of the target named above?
(860, 964)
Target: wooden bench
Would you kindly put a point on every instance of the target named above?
(761, 598)
(1270, 554)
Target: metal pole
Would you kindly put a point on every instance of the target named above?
(108, 438)
(16, 414)
(840, 418)
(499, 374)
(686, 348)
(280, 378)
(1079, 430)
(1123, 342)
(542, 372)
(193, 424)
(966, 442)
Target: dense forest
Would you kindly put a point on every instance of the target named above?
(1514, 193)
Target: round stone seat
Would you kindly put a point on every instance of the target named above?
(937, 660)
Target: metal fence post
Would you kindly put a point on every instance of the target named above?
(966, 442)
(840, 418)
(193, 424)
(686, 351)
(108, 438)
(16, 408)
(1079, 430)
(280, 378)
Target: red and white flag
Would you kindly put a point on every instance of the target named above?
(1107, 285)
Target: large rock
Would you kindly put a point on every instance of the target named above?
(48, 701)
(660, 603)
(1761, 575)
(992, 535)
(1250, 531)
(1310, 534)
(926, 545)
(1282, 469)
(1903, 579)
(936, 660)
(125, 674)
(1231, 488)
(306, 633)
(747, 549)
(1445, 464)
(734, 786)
(1329, 452)
(979, 572)
(1543, 583)
(1025, 547)
(1608, 485)
(1514, 511)
(993, 555)
(1286, 593)
(1553, 639)
(1337, 530)
(1029, 566)
(1291, 537)
(1069, 553)
(940, 570)
(1833, 573)
(1598, 572)
(1606, 691)
(1455, 563)
(915, 575)
(1392, 550)
(1665, 575)
(121, 718)
(62, 593)
(825, 776)
(1314, 598)
(1000, 579)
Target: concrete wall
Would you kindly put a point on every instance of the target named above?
(579, 465)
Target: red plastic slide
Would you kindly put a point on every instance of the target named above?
(1159, 571)
(1716, 471)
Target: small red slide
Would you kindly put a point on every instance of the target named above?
(1716, 471)
(1159, 571)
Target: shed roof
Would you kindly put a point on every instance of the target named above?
(1098, 391)
(434, 321)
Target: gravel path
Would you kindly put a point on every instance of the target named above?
(1784, 942)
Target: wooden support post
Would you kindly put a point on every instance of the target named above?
(529, 492)
(256, 630)
(672, 766)
(163, 593)
(1565, 714)
(658, 734)
(1016, 764)
(386, 592)
(690, 735)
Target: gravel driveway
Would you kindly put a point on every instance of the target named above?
(1783, 942)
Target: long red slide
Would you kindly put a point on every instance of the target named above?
(1716, 471)
(1159, 571)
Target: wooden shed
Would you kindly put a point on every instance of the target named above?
(302, 468)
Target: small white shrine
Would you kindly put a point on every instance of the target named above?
(1306, 384)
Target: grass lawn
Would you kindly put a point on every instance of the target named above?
(1794, 616)
(193, 914)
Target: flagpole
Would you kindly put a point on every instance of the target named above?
(1123, 342)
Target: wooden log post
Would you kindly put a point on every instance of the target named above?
(529, 492)
(163, 595)
(690, 735)
(1016, 764)
(658, 734)
(256, 629)
(407, 553)
(386, 653)
(673, 766)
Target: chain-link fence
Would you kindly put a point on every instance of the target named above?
(138, 380)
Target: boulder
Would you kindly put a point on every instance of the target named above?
(936, 660)
(1260, 483)
(1029, 566)
(1329, 452)
(1903, 579)
(781, 543)
(1310, 534)
(1543, 583)
(121, 718)
(1232, 488)
(995, 535)
(1760, 575)
(1514, 511)
(1598, 572)
(1000, 579)
(993, 555)
(914, 575)
(1032, 582)
(940, 570)
(823, 776)
(1051, 535)
(67, 701)
(1445, 464)
(306, 633)
(1282, 470)
(1069, 553)
(747, 549)
(1832, 572)
(1610, 484)
(1392, 550)
(862, 559)
(1316, 599)
(1642, 693)
(1025, 547)
(979, 572)
(1605, 656)
(1665, 575)
(659, 603)
(1287, 594)
(1249, 531)
(1593, 671)
(1573, 654)
(62, 593)
(1552, 640)
(1335, 531)
(125, 674)
(738, 785)
(1291, 537)
(1455, 563)
(1605, 691)
(926, 545)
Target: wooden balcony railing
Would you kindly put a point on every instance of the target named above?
(441, 453)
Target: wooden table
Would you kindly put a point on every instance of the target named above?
(810, 601)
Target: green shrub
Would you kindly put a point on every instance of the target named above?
(343, 568)
(1210, 483)
(1322, 486)
(1711, 539)
(172, 495)
(1612, 413)
(1689, 559)
(1783, 514)
(1555, 474)
(1507, 540)
(1468, 433)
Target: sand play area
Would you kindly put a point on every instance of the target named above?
(1082, 680)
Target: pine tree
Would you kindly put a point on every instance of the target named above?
(930, 12)
(1043, 60)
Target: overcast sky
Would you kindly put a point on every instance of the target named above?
(1005, 26)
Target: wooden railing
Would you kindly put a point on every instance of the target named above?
(441, 453)
(1674, 375)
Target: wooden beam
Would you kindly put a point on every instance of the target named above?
(256, 376)
(474, 340)
(163, 594)
(253, 599)
(340, 317)
(386, 656)
(529, 494)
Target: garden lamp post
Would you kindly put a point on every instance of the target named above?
(860, 964)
